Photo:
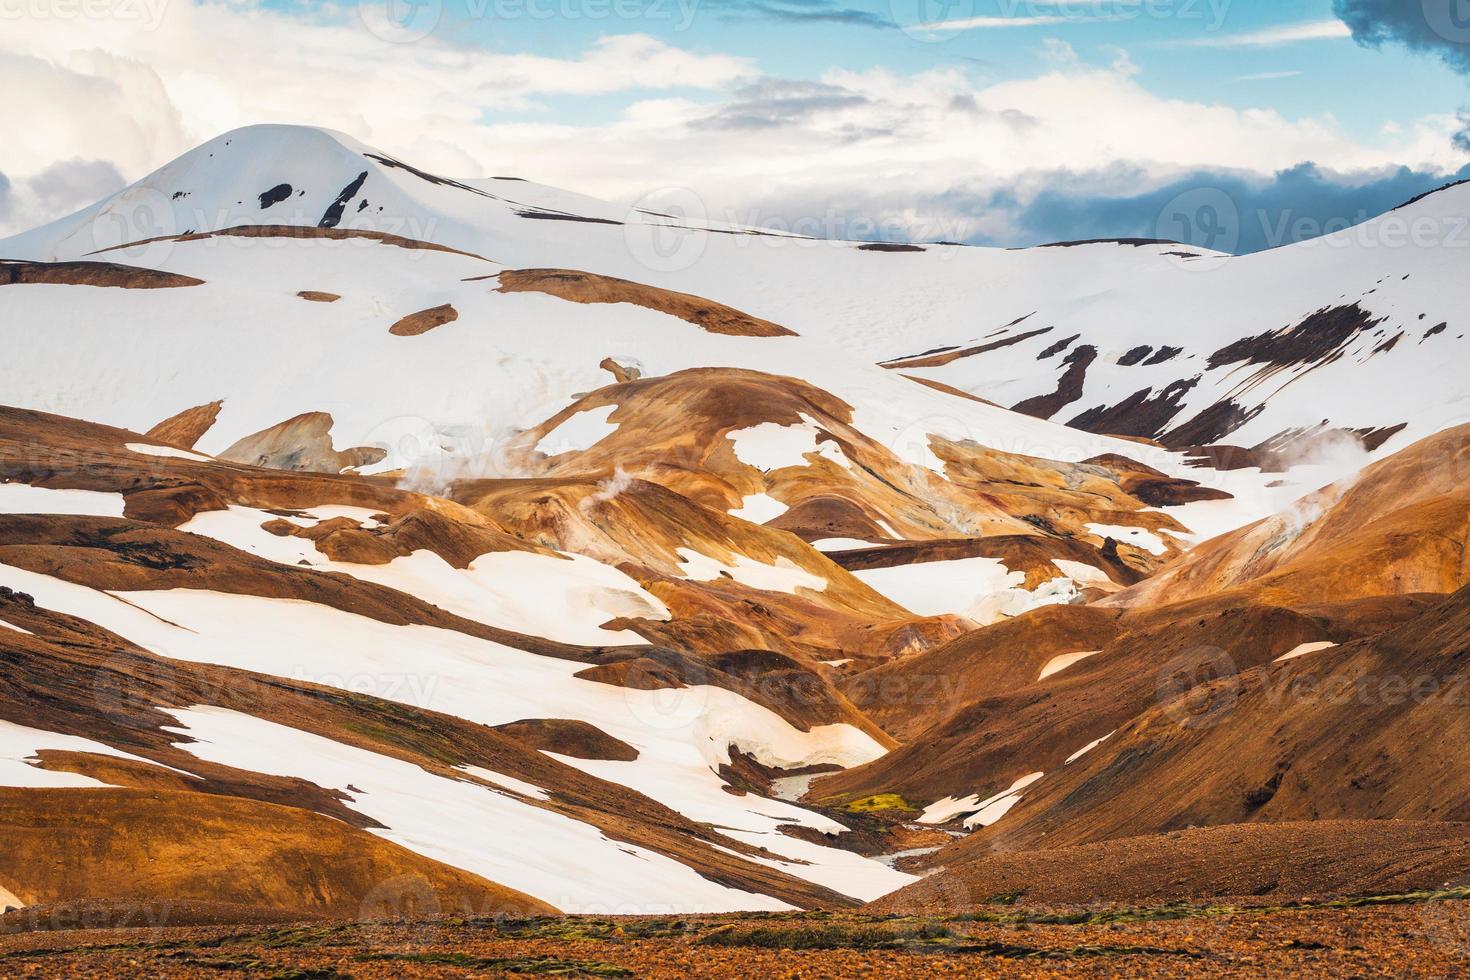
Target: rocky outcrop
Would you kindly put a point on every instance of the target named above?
(585, 287)
(187, 427)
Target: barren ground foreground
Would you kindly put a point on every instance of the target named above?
(1410, 934)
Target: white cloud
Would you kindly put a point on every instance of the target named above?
(1316, 30)
(998, 23)
(911, 152)
(140, 92)
(1265, 76)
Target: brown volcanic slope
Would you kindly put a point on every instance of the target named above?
(1288, 860)
(69, 676)
(159, 846)
(997, 732)
(1207, 728)
(667, 476)
(674, 430)
(1369, 730)
(1402, 526)
(909, 696)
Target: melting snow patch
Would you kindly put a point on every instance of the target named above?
(467, 825)
(842, 871)
(508, 782)
(565, 599)
(986, 812)
(769, 446)
(1058, 664)
(792, 788)
(1305, 649)
(1089, 747)
(579, 433)
(841, 544)
(945, 810)
(145, 449)
(682, 737)
(1000, 804)
(18, 748)
(1135, 536)
(758, 508)
(22, 498)
(784, 576)
(1084, 574)
(980, 589)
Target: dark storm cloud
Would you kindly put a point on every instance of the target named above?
(1226, 211)
(1440, 27)
(1437, 27)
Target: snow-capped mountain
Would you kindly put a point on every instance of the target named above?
(558, 550)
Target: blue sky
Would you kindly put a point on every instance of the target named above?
(1014, 122)
(1364, 88)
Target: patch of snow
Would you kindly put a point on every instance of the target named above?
(1000, 804)
(1305, 649)
(986, 811)
(792, 788)
(892, 859)
(1136, 536)
(851, 874)
(1084, 574)
(683, 736)
(980, 589)
(760, 508)
(1089, 747)
(1060, 663)
(19, 745)
(541, 852)
(783, 576)
(840, 544)
(945, 810)
(22, 498)
(580, 432)
(12, 626)
(564, 599)
(147, 449)
(508, 782)
(770, 446)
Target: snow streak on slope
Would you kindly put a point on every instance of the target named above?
(565, 599)
(19, 746)
(682, 736)
(464, 824)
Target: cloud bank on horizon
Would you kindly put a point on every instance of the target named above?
(1009, 123)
